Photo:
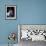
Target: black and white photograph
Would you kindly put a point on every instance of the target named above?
(10, 12)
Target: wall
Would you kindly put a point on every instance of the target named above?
(7, 26)
(32, 11)
(28, 12)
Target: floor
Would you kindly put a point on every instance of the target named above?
(30, 43)
(7, 45)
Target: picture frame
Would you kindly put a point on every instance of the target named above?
(10, 12)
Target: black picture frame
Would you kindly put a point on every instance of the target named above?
(10, 12)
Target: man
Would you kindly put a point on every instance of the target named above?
(10, 13)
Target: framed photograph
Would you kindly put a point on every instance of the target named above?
(10, 12)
